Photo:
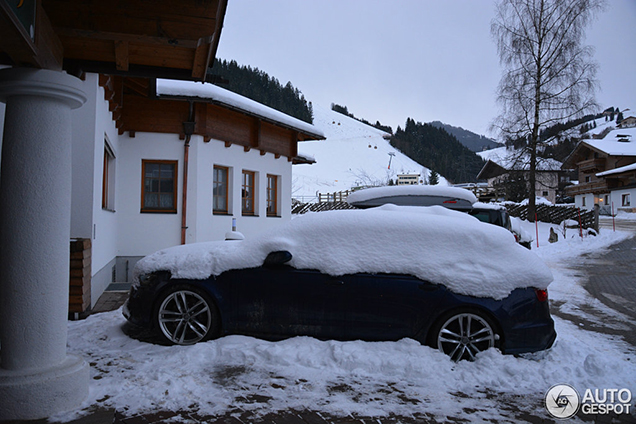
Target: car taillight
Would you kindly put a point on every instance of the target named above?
(542, 295)
(450, 201)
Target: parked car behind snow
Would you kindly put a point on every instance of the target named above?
(428, 273)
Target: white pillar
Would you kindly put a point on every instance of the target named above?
(37, 377)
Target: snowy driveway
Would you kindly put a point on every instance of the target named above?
(380, 379)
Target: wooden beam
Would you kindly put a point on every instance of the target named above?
(73, 33)
(199, 69)
(121, 55)
(44, 51)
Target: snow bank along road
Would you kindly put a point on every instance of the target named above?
(242, 378)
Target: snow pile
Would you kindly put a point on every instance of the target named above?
(377, 379)
(433, 243)
(354, 154)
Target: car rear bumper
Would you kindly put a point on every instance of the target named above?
(532, 338)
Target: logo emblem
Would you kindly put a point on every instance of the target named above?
(562, 401)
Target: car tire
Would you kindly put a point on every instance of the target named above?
(462, 334)
(185, 315)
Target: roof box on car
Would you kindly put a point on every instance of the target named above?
(413, 195)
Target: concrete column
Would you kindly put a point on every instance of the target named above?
(37, 377)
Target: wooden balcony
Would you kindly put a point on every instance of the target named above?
(592, 165)
(601, 186)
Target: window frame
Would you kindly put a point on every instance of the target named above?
(175, 164)
(626, 199)
(250, 199)
(272, 201)
(226, 170)
(108, 178)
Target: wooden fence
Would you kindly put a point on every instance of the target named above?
(301, 208)
(556, 214)
(339, 196)
(545, 213)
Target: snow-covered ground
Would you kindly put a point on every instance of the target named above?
(367, 378)
(353, 154)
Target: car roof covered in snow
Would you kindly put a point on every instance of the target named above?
(432, 243)
(414, 195)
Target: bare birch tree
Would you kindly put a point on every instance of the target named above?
(549, 76)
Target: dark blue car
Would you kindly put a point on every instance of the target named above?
(279, 299)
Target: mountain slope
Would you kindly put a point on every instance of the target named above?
(474, 142)
(353, 154)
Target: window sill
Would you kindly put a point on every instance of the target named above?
(108, 210)
(274, 216)
(221, 213)
(171, 212)
(250, 214)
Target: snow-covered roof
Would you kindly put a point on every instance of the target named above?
(515, 160)
(232, 100)
(433, 243)
(612, 145)
(620, 170)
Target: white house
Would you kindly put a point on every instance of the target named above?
(128, 189)
(504, 165)
(607, 172)
(92, 151)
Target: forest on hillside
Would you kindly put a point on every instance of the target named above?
(438, 150)
(259, 86)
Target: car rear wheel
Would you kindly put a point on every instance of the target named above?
(462, 335)
(186, 316)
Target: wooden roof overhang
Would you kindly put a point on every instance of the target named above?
(138, 38)
(136, 108)
(580, 154)
(491, 170)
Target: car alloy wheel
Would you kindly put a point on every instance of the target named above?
(185, 317)
(464, 335)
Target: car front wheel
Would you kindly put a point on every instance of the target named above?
(463, 335)
(186, 316)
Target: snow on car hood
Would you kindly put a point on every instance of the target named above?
(432, 243)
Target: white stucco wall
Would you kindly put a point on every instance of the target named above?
(92, 123)
(143, 233)
(617, 199)
(105, 222)
(214, 227)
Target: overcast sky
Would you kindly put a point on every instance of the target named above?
(389, 60)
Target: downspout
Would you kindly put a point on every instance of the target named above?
(188, 129)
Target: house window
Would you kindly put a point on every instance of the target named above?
(626, 199)
(272, 195)
(583, 201)
(247, 192)
(108, 179)
(159, 191)
(220, 190)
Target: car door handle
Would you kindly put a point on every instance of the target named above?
(334, 282)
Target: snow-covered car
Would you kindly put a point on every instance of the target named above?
(428, 273)
(455, 198)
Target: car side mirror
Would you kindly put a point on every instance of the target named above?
(277, 258)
